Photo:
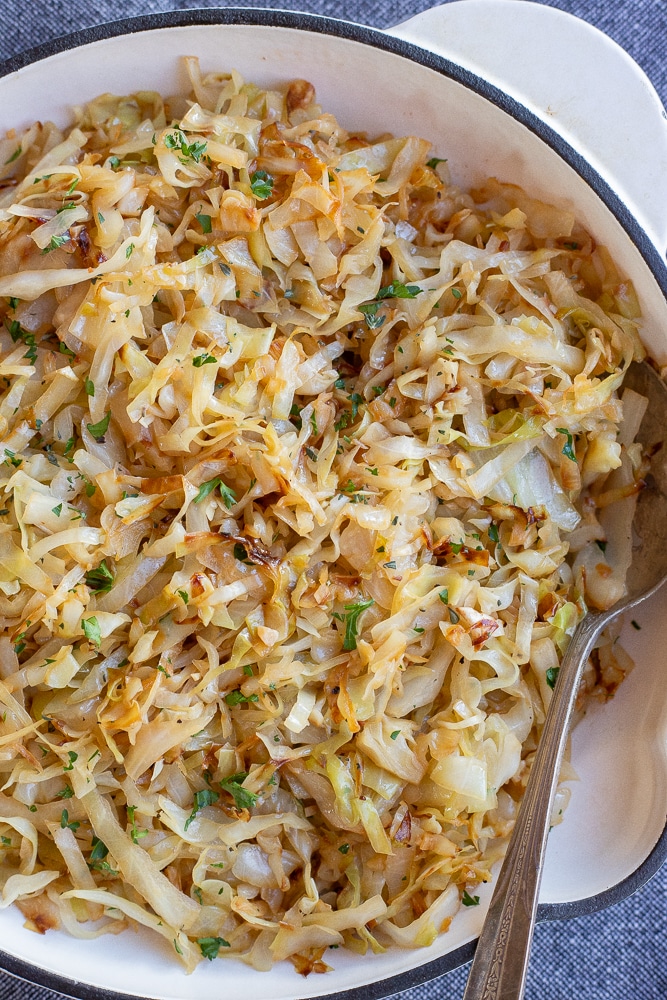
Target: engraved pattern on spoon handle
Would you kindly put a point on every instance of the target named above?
(499, 968)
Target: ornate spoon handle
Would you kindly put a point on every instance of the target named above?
(499, 968)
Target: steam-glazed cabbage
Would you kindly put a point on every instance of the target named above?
(312, 463)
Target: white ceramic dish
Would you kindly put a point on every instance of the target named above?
(446, 75)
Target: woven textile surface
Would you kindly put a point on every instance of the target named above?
(619, 953)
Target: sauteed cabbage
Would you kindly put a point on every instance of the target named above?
(312, 462)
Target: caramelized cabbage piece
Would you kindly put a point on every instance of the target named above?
(309, 464)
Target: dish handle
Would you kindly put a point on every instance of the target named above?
(572, 76)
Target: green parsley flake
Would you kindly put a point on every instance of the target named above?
(568, 449)
(243, 798)
(354, 611)
(91, 630)
(261, 184)
(65, 822)
(397, 290)
(552, 676)
(99, 851)
(55, 242)
(193, 151)
(237, 698)
(135, 834)
(210, 946)
(205, 797)
(205, 222)
(99, 429)
(228, 495)
(100, 580)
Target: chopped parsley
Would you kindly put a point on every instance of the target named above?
(396, 732)
(55, 242)
(567, 450)
(354, 611)
(65, 823)
(469, 900)
(434, 161)
(99, 429)
(228, 495)
(552, 676)
(90, 387)
(261, 184)
(243, 798)
(205, 797)
(397, 290)
(100, 580)
(192, 151)
(99, 851)
(204, 359)
(372, 320)
(72, 756)
(205, 222)
(237, 698)
(91, 630)
(135, 834)
(210, 946)
(241, 554)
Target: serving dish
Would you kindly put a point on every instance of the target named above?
(556, 147)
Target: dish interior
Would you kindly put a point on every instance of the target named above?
(618, 807)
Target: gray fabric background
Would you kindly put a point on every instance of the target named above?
(619, 953)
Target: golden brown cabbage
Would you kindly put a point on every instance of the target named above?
(310, 460)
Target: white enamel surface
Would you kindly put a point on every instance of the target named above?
(573, 77)
(618, 808)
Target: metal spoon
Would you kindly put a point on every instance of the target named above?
(500, 965)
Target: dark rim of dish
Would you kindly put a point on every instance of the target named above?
(369, 36)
